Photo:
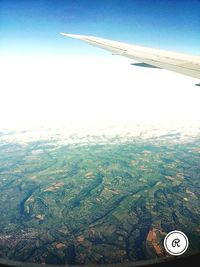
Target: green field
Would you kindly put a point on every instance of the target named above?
(97, 202)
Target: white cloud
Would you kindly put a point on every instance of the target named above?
(93, 90)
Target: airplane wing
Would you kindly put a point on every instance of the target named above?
(177, 62)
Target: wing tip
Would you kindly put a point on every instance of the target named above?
(76, 36)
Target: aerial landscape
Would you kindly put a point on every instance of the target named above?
(99, 153)
(97, 199)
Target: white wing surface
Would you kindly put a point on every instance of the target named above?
(177, 62)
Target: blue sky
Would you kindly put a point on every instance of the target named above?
(32, 27)
(48, 78)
